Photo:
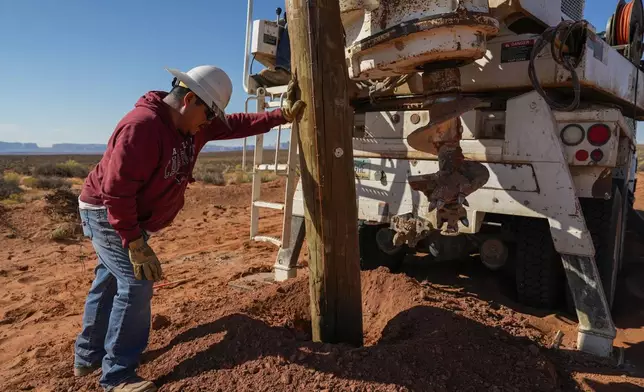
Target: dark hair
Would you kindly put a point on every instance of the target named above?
(178, 92)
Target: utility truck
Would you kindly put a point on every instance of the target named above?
(505, 128)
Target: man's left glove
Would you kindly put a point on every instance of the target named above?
(145, 262)
(293, 107)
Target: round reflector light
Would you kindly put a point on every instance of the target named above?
(598, 134)
(581, 155)
(572, 135)
(597, 155)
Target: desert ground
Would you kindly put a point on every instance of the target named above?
(446, 327)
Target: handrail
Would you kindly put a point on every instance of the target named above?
(249, 21)
(246, 138)
(279, 136)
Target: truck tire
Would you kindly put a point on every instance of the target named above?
(371, 256)
(604, 220)
(629, 203)
(540, 277)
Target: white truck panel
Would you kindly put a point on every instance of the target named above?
(505, 62)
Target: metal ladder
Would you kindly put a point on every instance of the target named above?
(267, 99)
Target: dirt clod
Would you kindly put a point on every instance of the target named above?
(160, 321)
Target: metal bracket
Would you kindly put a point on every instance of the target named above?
(289, 253)
(596, 328)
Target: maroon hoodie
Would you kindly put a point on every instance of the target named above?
(145, 171)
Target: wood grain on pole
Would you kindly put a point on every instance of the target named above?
(326, 161)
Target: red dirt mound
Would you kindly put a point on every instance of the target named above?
(432, 332)
(414, 345)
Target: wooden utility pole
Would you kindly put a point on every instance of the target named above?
(326, 161)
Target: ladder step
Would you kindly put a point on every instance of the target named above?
(273, 104)
(266, 204)
(284, 126)
(277, 90)
(272, 240)
(269, 167)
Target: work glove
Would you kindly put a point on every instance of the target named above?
(293, 107)
(144, 260)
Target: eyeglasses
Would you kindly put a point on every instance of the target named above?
(210, 114)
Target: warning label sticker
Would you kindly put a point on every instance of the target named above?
(270, 40)
(361, 168)
(512, 52)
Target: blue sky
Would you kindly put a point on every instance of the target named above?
(71, 69)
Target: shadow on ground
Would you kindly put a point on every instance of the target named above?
(471, 278)
(423, 347)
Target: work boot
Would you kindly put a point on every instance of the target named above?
(82, 371)
(135, 386)
(272, 77)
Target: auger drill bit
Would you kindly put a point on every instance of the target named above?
(447, 189)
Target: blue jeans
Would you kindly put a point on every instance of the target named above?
(116, 321)
(283, 55)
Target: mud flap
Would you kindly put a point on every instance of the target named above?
(287, 256)
(596, 328)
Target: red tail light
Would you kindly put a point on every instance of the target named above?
(581, 155)
(598, 134)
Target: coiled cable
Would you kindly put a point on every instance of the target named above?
(558, 38)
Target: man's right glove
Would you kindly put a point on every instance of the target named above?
(144, 260)
(293, 107)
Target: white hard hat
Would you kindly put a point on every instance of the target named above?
(209, 83)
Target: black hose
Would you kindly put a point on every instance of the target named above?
(563, 31)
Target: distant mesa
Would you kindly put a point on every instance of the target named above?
(72, 148)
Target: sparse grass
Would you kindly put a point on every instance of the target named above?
(212, 168)
(15, 198)
(27, 164)
(225, 168)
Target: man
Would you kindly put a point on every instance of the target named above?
(138, 188)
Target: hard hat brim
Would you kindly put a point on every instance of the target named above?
(200, 92)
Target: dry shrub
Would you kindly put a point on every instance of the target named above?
(12, 178)
(239, 177)
(65, 231)
(213, 178)
(66, 169)
(46, 182)
(269, 176)
(8, 188)
(15, 164)
(62, 208)
(62, 205)
(209, 173)
(30, 182)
